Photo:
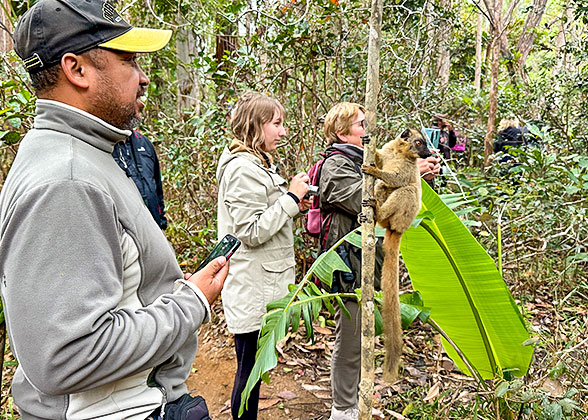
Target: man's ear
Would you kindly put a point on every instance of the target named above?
(75, 68)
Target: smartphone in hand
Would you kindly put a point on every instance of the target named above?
(226, 247)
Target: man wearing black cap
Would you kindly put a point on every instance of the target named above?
(100, 317)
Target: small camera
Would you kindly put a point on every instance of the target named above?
(312, 190)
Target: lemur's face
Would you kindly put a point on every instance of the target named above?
(417, 142)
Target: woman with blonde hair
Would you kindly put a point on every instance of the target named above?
(340, 192)
(257, 206)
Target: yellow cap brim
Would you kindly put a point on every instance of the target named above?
(140, 40)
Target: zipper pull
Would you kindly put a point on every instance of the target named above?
(122, 159)
(162, 414)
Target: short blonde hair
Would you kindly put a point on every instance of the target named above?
(252, 111)
(506, 123)
(339, 120)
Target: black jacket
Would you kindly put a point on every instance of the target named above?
(510, 136)
(137, 157)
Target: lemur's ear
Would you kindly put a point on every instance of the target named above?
(405, 134)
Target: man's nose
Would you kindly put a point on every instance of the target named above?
(143, 79)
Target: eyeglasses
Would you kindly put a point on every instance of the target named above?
(361, 122)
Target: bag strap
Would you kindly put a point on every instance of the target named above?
(326, 225)
(336, 152)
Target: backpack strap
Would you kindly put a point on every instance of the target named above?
(336, 152)
(133, 145)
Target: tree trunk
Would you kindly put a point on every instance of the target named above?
(226, 44)
(5, 26)
(189, 85)
(443, 51)
(368, 239)
(561, 40)
(528, 35)
(478, 70)
(429, 72)
(496, 44)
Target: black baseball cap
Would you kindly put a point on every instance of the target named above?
(52, 28)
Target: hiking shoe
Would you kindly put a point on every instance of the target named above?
(350, 414)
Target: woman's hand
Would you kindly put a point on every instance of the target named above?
(305, 204)
(429, 168)
(299, 185)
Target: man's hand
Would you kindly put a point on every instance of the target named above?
(211, 278)
(429, 168)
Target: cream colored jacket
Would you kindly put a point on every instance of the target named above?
(254, 206)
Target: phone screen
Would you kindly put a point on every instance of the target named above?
(226, 247)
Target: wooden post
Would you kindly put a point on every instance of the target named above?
(368, 239)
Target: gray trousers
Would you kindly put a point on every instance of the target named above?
(346, 358)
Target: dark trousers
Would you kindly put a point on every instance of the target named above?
(245, 346)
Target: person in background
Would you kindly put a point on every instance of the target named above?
(137, 157)
(510, 134)
(100, 317)
(448, 137)
(256, 205)
(340, 190)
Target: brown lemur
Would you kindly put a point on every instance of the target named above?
(398, 200)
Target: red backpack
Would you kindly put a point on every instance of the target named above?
(314, 223)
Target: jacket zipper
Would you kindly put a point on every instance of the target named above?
(151, 381)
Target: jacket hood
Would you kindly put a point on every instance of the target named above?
(355, 153)
(227, 156)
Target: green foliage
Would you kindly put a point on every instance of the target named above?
(16, 108)
(304, 302)
(551, 183)
(516, 394)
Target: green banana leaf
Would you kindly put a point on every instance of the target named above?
(465, 292)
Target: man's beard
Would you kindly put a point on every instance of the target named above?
(123, 116)
(108, 107)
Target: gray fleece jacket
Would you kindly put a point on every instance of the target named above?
(87, 279)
